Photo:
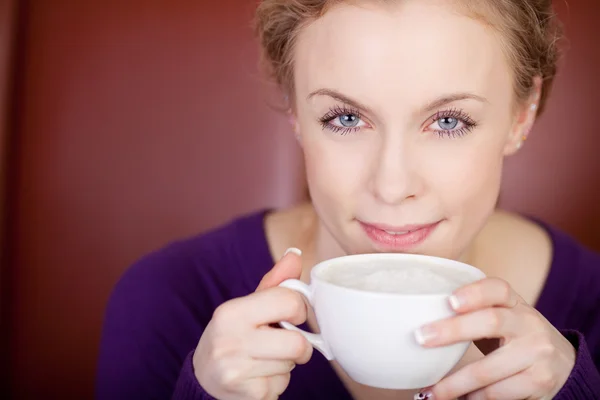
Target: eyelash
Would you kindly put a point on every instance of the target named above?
(468, 123)
(337, 112)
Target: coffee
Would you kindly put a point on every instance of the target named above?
(389, 276)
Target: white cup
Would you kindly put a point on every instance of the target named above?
(371, 334)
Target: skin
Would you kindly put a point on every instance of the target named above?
(395, 67)
(395, 169)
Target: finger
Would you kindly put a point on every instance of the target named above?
(262, 308)
(256, 388)
(489, 292)
(278, 384)
(504, 363)
(473, 354)
(482, 324)
(267, 368)
(289, 267)
(278, 344)
(513, 388)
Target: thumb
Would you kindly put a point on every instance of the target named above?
(289, 267)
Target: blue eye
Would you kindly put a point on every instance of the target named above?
(342, 120)
(452, 123)
(348, 120)
(447, 123)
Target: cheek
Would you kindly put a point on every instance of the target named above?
(336, 167)
(467, 177)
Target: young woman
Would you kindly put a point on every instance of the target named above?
(405, 111)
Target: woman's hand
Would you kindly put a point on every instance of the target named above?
(533, 361)
(239, 355)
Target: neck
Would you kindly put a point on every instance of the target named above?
(318, 244)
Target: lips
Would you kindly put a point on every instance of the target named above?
(398, 238)
(397, 233)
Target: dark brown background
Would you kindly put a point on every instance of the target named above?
(126, 124)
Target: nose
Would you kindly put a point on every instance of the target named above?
(395, 174)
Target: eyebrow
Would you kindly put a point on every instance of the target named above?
(451, 98)
(338, 96)
(437, 103)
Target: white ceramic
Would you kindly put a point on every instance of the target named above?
(371, 334)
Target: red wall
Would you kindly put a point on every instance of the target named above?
(7, 25)
(557, 174)
(142, 121)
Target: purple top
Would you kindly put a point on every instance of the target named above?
(159, 309)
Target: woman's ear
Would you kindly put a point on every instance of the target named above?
(525, 119)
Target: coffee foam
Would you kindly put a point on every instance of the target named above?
(388, 276)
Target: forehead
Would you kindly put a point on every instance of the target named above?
(409, 51)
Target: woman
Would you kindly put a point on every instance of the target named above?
(405, 111)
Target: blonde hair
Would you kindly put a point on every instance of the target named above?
(529, 30)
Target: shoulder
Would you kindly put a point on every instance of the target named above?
(532, 237)
(527, 247)
(575, 266)
(549, 268)
(223, 262)
(160, 306)
(575, 276)
(572, 292)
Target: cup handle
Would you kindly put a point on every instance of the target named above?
(314, 339)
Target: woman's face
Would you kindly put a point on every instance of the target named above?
(405, 114)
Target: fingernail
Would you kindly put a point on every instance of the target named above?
(455, 302)
(424, 335)
(294, 250)
(424, 395)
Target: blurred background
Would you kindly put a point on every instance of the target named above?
(125, 124)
